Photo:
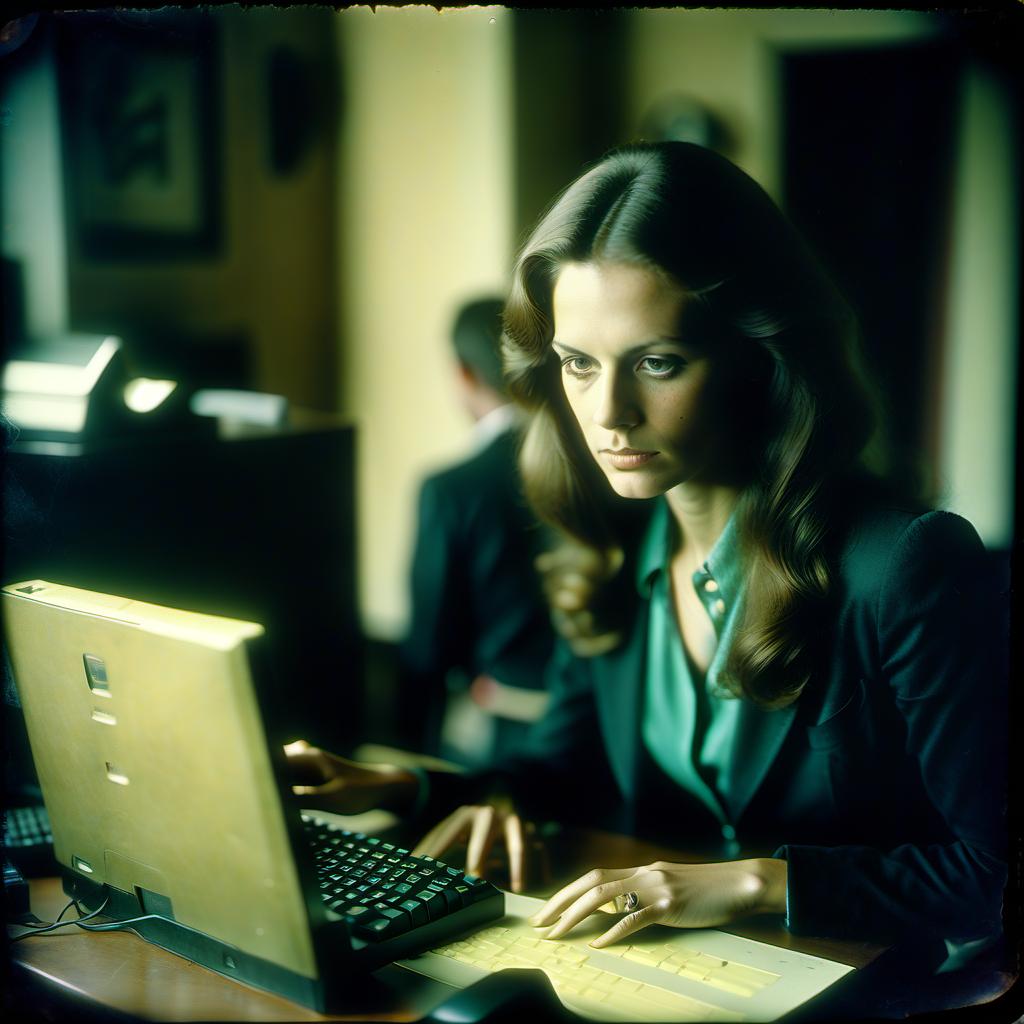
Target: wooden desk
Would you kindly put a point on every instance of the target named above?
(120, 972)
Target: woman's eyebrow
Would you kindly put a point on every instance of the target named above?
(632, 350)
(567, 348)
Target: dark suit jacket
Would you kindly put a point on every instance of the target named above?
(883, 786)
(476, 599)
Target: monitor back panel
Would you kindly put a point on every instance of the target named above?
(154, 765)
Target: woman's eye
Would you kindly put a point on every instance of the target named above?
(577, 366)
(661, 366)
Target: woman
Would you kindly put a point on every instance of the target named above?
(782, 656)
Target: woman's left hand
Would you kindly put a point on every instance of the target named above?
(678, 895)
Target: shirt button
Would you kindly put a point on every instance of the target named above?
(710, 586)
(718, 607)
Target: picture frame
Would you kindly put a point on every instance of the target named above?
(139, 95)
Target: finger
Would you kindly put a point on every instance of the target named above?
(568, 600)
(516, 846)
(324, 789)
(572, 892)
(481, 837)
(445, 834)
(584, 622)
(545, 561)
(558, 557)
(582, 907)
(564, 623)
(297, 747)
(631, 923)
(588, 647)
(570, 591)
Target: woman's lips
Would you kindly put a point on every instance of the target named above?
(626, 458)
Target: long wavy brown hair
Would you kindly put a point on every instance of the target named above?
(692, 215)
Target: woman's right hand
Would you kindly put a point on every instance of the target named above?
(479, 826)
(331, 783)
(574, 579)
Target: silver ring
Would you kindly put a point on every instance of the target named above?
(631, 901)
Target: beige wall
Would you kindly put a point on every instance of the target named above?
(977, 449)
(424, 223)
(727, 60)
(269, 281)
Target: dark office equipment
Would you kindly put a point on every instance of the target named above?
(398, 903)
(28, 841)
(258, 525)
(505, 997)
(78, 387)
(16, 903)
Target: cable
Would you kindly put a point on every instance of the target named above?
(43, 924)
(67, 906)
(63, 924)
(114, 925)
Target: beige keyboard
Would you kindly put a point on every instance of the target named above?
(601, 993)
(726, 975)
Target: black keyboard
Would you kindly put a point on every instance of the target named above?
(384, 893)
(28, 842)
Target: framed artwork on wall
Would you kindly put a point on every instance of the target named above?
(139, 95)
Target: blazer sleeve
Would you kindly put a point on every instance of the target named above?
(437, 623)
(942, 647)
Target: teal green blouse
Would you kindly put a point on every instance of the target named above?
(689, 721)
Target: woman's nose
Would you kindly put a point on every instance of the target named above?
(616, 404)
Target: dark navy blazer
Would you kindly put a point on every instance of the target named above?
(476, 601)
(883, 785)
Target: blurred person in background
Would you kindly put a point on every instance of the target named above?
(774, 659)
(479, 636)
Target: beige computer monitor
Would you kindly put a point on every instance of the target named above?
(154, 764)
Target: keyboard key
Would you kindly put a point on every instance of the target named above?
(358, 910)
(416, 910)
(400, 919)
(478, 888)
(434, 902)
(381, 890)
(610, 996)
(642, 956)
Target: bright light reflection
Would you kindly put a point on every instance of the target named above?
(144, 394)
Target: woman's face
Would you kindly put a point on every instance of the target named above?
(651, 402)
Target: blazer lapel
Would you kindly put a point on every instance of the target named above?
(759, 738)
(619, 688)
